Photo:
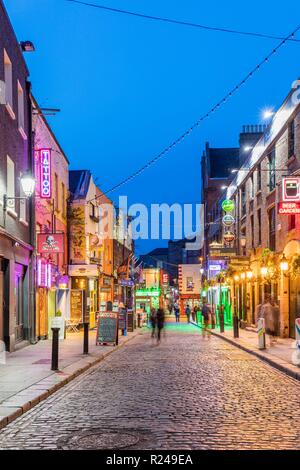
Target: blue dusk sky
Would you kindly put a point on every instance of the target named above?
(127, 87)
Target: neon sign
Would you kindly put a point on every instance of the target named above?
(45, 173)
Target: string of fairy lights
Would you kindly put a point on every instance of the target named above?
(214, 108)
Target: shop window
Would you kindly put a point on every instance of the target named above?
(243, 200)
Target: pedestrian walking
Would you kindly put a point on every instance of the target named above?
(270, 312)
(177, 313)
(206, 312)
(153, 320)
(188, 313)
(194, 313)
(160, 321)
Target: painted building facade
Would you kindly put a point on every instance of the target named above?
(52, 192)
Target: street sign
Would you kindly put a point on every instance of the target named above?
(288, 208)
(228, 205)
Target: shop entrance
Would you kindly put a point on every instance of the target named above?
(19, 302)
(294, 305)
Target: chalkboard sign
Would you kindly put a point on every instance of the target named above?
(130, 320)
(77, 305)
(122, 318)
(107, 328)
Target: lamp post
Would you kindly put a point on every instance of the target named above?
(28, 186)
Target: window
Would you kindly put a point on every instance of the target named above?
(258, 180)
(56, 202)
(21, 114)
(243, 200)
(259, 225)
(10, 183)
(272, 172)
(23, 204)
(291, 139)
(292, 222)
(271, 217)
(64, 202)
(8, 82)
(251, 186)
(252, 230)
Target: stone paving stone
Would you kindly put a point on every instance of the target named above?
(185, 393)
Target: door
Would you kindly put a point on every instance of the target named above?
(294, 305)
(1, 308)
(19, 302)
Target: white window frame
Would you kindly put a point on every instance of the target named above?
(21, 111)
(10, 186)
(23, 207)
(8, 80)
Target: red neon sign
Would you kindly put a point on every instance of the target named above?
(289, 208)
(45, 173)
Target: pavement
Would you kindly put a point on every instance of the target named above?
(184, 393)
(279, 355)
(26, 378)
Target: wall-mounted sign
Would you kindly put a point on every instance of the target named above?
(291, 189)
(44, 273)
(228, 220)
(289, 208)
(45, 173)
(228, 237)
(222, 252)
(50, 242)
(228, 205)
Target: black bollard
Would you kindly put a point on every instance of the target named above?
(86, 337)
(55, 341)
(221, 320)
(235, 326)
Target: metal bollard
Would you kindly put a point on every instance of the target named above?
(86, 337)
(55, 341)
(235, 326)
(261, 333)
(221, 320)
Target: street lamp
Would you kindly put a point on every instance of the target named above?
(27, 184)
(284, 265)
(268, 113)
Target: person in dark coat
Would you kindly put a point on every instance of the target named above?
(160, 321)
(153, 319)
(177, 313)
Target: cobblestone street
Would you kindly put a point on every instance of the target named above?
(186, 393)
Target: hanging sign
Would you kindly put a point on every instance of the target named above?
(228, 205)
(45, 173)
(289, 208)
(291, 189)
(107, 328)
(50, 242)
(228, 220)
(228, 237)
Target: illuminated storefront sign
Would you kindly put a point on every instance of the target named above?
(45, 173)
(289, 208)
(44, 273)
(291, 189)
(147, 293)
(228, 220)
(50, 242)
(227, 205)
(228, 237)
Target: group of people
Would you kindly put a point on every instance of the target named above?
(269, 311)
(157, 320)
(205, 310)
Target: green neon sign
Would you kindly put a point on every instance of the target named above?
(147, 293)
(228, 205)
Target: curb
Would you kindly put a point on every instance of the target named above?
(19, 410)
(289, 369)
